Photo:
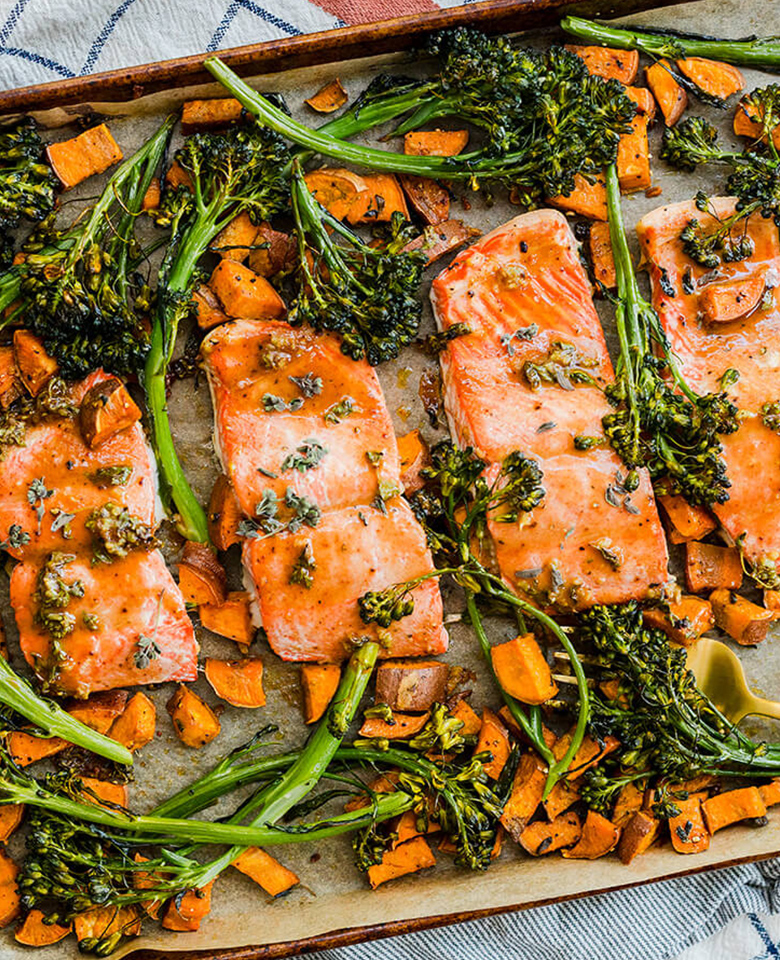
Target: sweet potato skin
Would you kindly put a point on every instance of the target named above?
(319, 682)
(744, 621)
(638, 835)
(411, 686)
(202, 577)
(441, 238)
(279, 254)
(710, 567)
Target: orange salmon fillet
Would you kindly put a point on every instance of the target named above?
(355, 549)
(521, 290)
(131, 596)
(55, 453)
(247, 360)
(750, 345)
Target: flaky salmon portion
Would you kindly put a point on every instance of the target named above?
(70, 474)
(133, 598)
(291, 410)
(529, 377)
(349, 552)
(749, 344)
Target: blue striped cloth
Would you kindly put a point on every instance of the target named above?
(42, 40)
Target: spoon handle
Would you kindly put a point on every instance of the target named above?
(764, 708)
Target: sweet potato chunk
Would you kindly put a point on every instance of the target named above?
(239, 682)
(522, 670)
(744, 621)
(208, 312)
(586, 199)
(437, 240)
(687, 619)
(194, 721)
(414, 454)
(100, 710)
(231, 619)
(268, 873)
(234, 241)
(328, 98)
(687, 830)
(637, 836)
(563, 795)
(319, 682)
(244, 294)
(274, 251)
(411, 685)
(710, 567)
(409, 857)
(590, 752)
(629, 801)
(540, 837)
(406, 828)
(9, 892)
(382, 198)
(732, 806)
(633, 155)
(102, 922)
(602, 260)
(201, 115)
(34, 364)
(336, 189)
(771, 601)
(134, 728)
(670, 96)
(747, 122)
(493, 738)
(106, 409)
(35, 933)
(104, 793)
(403, 725)
(202, 577)
(10, 385)
(599, 837)
(224, 515)
(605, 62)
(435, 143)
(428, 198)
(176, 176)
(185, 913)
(733, 299)
(151, 200)
(10, 817)
(91, 152)
(715, 78)
(470, 720)
(686, 521)
(770, 793)
(26, 749)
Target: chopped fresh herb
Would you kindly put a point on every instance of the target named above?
(91, 620)
(115, 532)
(729, 378)
(309, 385)
(304, 567)
(583, 442)
(612, 554)
(267, 522)
(117, 475)
(770, 415)
(665, 283)
(338, 411)
(378, 503)
(362, 518)
(544, 427)
(688, 283)
(53, 595)
(37, 492)
(267, 473)
(306, 457)
(272, 403)
(148, 650)
(374, 457)
(563, 364)
(522, 333)
(434, 343)
(62, 521)
(16, 539)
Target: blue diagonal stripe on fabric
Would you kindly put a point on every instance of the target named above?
(13, 19)
(105, 33)
(32, 57)
(761, 930)
(260, 12)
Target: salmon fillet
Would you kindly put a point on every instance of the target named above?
(131, 597)
(522, 292)
(706, 350)
(355, 549)
(249, 360)
(55, 454)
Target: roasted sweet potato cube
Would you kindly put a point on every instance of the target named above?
(194, 722)
(403, 725)
(185, 913)
(101, 922)
(268, 873)
(104, 793)
(415, 455)
(688, 521)
(336, 188)
(152, 196)
(106, 409)
(516, 730)
(91, 152)
(231, 619)
(633, 155)
(435, 143)
(33, 932)
(687, 829)
(176, 176)
(586, 199)
(239, 682)
(493, 739)
(328, 98)
(274, 251)
(526, 795)
(710, 567)
(201, 115)
(713, 77)
(602, 260)
(411, 685)
(319, 682)
(638, 835)
(732, 806)
(382, 198)
(599, 837)
(744, 621)
(135, 726)
(10, 903)
(244, 294)
(771, 600)
(25, 749)
(11, 815)
(669, 94)
(605, 62)
(542, 837)
(34, 364)
(470, 720)
(234, 241)
(224, 514)
(428, 198)
(100, 710)
(563, 795)
(732, 299)
(202, 577)
(409, 857)
(748, 119)
(208, 311)
(629, 801)
(770, 792)
(590, 752)
(10, 384)
(685, 621)
(439, 239)
(522, 670)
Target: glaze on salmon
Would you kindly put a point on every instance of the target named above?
(522, 292)
(683, 292)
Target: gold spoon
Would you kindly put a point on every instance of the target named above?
(720, 676)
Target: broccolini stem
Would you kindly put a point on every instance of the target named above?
(761, 53)
(16, 693)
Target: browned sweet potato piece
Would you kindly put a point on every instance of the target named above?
(511, 724)
(319, 682)
(732, 806)
(590, 752)
(177, 176)
(271, 875)
(208, 312)
(106, 409)
(563, 795)
(586, 199)
(407, 827)
(602, 260)
(687, 619)
(100, 710)
(605, 62)
(428, 198)
(135, 726)
(10, 817)
(26, 749)
(194, 721)
(224, 514)
(733, 299)
(741, 619)
(231, 619)
(747, 122)
(33, 932)
(239, 682)
(670, 96)
(771, 601)
(637, 836)
(408, 857)
(92, 151)
(151, 200)
(633, 155)
(244, 294)
(403, 725)
(185, 913)
(687, 830)
(336, 189)
(146, 880)
(710, 567)
(411, 686)
(522, 670)
(435, 143)
(233, 242)
(34, 364)
(493, 738)
(102, 922)
(382, 198)
(687, 521)
(328, 98)
(527, 789)
(629, 801)
(415, 455)
(541, 837)
(470, 720)
(436, 241)
(274, 251)
(770, 793)
(9, 892)
(385, 783)
(10, 384)
(713, 77)
(202, 577)
(197, 115)
(104, 793)
(599, 837)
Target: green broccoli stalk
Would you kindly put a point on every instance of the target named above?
(761, 53)
(658, 423)
(368, 295)
(572, 125)
(233, 172)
